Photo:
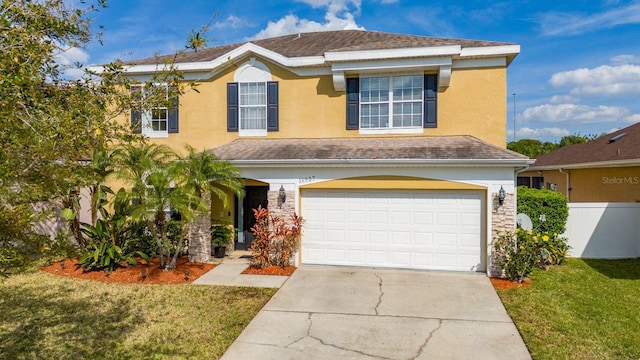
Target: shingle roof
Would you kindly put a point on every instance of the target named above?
(317, 43)
(426, 148)
(602, 149)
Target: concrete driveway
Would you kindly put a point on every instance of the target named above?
(326, 312)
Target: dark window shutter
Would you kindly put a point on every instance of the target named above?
(272, 106)
(232, 107)
(430, 100)
(353, 103)
(173, 110)
(136, 114)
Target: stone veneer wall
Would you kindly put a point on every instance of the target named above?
(200, 236)
(284, 210)
(503, 220)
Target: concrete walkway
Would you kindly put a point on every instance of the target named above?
(362, 313)
(228, 273)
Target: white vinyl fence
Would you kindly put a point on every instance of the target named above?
(604, 230)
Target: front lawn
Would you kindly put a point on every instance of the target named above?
(43, 316)
(585, 309)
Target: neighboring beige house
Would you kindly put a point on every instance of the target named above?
(601, 179)
(392, 147)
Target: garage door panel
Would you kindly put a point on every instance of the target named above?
(378, 217)
(399, 217)
(422, 218)
(356, 217)
(334, 235)
(408, 229)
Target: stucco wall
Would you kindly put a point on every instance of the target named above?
(615, 184)
(309, 107)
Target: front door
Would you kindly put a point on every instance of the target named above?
(254, 196)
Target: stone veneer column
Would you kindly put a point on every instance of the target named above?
(503, 220)
(284, 210)
(200, 235)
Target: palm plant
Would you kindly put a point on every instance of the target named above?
(147, 169)
(204, 175)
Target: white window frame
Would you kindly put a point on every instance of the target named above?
(252, 132)
(252, 71)
(146, 117)
(390, 129)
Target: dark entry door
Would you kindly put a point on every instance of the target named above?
(254, 196)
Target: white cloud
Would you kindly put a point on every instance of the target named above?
(632, 119)
(602, 80)
(625, 59)
(574, 114)
(337, 17)
(232, 22)
(334, 6)
(555, 23)
(529, 133)
(68, 58)
(563, 99)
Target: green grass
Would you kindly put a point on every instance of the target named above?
(43, 316)
(585, 309)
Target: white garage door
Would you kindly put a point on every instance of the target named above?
(413, 229)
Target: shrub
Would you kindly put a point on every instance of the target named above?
(518, 254)
(222, 233)
(107, 249)
(261, 246)
(535, 202)
(285, 239)
(275, 243)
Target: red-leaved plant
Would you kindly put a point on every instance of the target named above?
(275, 240)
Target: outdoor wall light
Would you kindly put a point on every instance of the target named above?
(501, 195)
(282, 196)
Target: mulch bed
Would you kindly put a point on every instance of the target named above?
(504, 284)
(270, 270)
(133, 274)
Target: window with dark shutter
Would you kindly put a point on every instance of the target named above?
(353, 103)
(272, 106)
(136, 114)
(173, 111)
(232, 107)
(430, 100)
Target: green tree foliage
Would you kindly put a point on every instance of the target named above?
(52, 126)
(47, 122)
(575, 139)
(534, 148)
(531, 147)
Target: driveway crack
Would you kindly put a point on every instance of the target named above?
(308, 335)
(426, 341)
(381, 292)
(310, 323)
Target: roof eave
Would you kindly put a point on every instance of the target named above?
(510, 163)
(593, 164)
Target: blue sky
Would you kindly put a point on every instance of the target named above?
(578, 70)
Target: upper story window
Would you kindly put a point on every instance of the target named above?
(392, 104)
(157, 121)
(252, 100)
(253, 106)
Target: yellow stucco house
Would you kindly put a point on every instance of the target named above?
(390, 146)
